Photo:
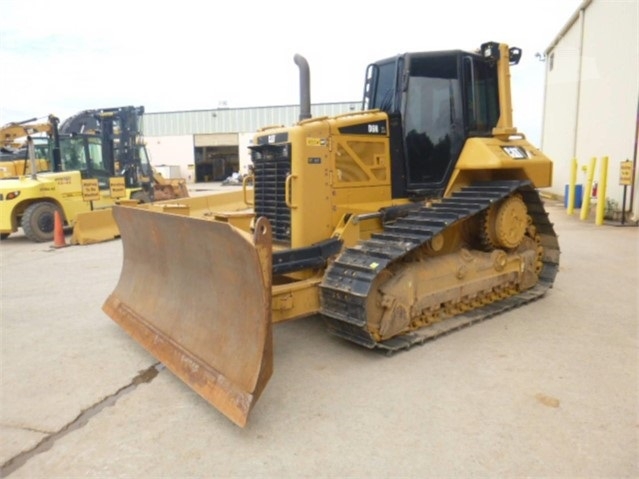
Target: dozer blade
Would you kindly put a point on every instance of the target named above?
(197, 295)
(94, 227)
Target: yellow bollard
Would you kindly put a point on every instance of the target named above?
(585, 205)
(571, 187)
(601, 193)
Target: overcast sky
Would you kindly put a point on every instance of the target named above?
(64, 56)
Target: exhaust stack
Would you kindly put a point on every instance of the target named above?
(305, 87)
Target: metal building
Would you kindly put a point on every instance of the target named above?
(210, 145)
(591, 101)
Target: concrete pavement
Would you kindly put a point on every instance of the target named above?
(547, 390)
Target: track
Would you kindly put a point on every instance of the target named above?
(348, 281)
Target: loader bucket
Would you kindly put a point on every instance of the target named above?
(196, 294)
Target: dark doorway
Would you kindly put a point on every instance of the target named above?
(215, 163)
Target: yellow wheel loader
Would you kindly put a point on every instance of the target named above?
(414, 217)
(100, 145)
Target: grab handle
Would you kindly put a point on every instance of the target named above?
(287, 191)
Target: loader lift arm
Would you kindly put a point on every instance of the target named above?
(17, 135)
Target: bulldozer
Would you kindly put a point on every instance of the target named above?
(417, 216)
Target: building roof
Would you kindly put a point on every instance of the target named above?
(571, 21)
(234, 120)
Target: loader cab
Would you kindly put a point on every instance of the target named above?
(87, 154)
(435, 101)
(83, 153)
(116, 131)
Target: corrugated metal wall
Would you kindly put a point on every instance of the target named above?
(233, 120)
(592, 90)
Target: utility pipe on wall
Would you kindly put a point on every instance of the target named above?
(582, 20)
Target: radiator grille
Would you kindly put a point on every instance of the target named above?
(271, 166)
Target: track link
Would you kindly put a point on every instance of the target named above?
(348, 281)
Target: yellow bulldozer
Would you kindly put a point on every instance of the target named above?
(415, 217)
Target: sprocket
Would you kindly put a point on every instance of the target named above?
(504, 224)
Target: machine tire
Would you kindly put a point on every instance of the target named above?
(4, 236)
(38, 221)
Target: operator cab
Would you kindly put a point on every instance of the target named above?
(435, 101)
(83, 153)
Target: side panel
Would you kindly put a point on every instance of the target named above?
(336, 163)
(309, 186)
(493, 159)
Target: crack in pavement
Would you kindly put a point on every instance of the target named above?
(16, 462)
(26, 428)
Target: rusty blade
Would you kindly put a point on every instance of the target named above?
(197, 295)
